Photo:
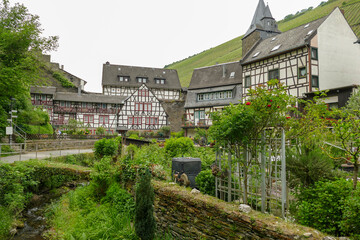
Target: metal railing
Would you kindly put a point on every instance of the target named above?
(35, 150)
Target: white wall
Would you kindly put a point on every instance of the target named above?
(339, 57)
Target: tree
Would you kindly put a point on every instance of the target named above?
(21, 49)
(237, 126)
(145, 224)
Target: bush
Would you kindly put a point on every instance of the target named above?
(321, 206)
(5, 223)
(102, 175)
(63, 80)
(178, 147)
(164, 131)
(178, 134)
(100, 131)
(107, 147)
(207, 156)
(145, 224)
(351, 215)
(205, 181)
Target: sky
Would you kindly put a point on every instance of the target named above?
(148, 33)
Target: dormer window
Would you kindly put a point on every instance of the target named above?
(232, 74)
(307, 25)
(310, 32)
(159, 81)
(273, 39)
(124, 78)
(256, 54)
(275, 48)
(141, 79)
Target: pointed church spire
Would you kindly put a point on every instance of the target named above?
(267, 12)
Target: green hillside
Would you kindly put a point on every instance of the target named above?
(232, 51)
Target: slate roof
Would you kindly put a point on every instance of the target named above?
(91, 97)
(112, 72)
(43, 90)
(213, 76)
(289, 40)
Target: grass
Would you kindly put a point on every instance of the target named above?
(232, 50)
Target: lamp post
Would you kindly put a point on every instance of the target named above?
(10, 130)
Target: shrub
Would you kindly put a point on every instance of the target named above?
(102, 175)
(131, 132)
(164, 131)
(63, 80)
(119, 199)
(177, 147)
(100, 131)
(178, 134)
(106, 147)
(206, 182)
(321, 206)
(5, 223)
(145, 224)
(351, 215)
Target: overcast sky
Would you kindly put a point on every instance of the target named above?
(149, 33)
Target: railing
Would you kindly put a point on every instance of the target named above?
(16, 151)
(199, 123)
(19, 131)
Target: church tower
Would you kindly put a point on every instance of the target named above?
(262, 26)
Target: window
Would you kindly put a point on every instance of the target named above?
(256, 54)
(310, 32)
(83, 105)
(247, 81)
(104, 105)
(130, 120)
(200, 114)
(232, 74)
(68, 104)
(307, 25)
(103, 119)
(141, 79)
(43, 97)
(134, 120)
(88, 118)
(229, 94)
(275, 48)
(302, 72)
(274, 74)
(143, 92)
(143, 107)
(315, 81)
(159, 81)
(200, 97)
(124, 78)
(314, 53)
(151, 121)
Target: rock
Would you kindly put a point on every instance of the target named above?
(307, 235)
(344, 238)
(328, 238)
(245, 208)
(195, 191)
(13, 231)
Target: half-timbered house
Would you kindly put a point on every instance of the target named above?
(319, 55)
(211, 89)
(146, 90)
(142, 110)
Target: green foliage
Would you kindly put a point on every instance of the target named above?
(207, 156)
(321, 206)
(201, 136)
(145, 224)
(21, 46)
(82, 159)
(73, 126)
(131, 132)
(178, 134)
(78, 215)
(100, 131)
(134, 136)
(178, 147)
(351, 215)
(205, 181)
(107, 147)
(307, 166)
(63, 80)
(102, 176)
(164, 131)
(5, 223)
(34, 120)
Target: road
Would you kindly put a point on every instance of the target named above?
(42, 155)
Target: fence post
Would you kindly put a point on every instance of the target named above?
(229, 176)
(263, 179)
(216, 179)
(20, 145)
(283, 174)
(36, 150)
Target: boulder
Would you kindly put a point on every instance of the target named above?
(245, 208)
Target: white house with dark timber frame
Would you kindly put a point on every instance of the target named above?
(211, 89)
(319, 55)
(146, 89)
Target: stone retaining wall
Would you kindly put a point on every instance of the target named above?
(49, 145)
(196, 216)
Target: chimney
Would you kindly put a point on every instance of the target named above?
(224, 71)
(62, 67)
(79, 90)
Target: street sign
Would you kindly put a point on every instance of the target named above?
(9, 120)
(14, 111)
(9, 131)
(14, 116)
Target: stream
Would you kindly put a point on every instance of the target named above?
(33, 216)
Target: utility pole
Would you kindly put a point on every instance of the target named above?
(10, 130)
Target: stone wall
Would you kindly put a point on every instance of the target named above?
(47, 145)
(176, 111)
(196, 216)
